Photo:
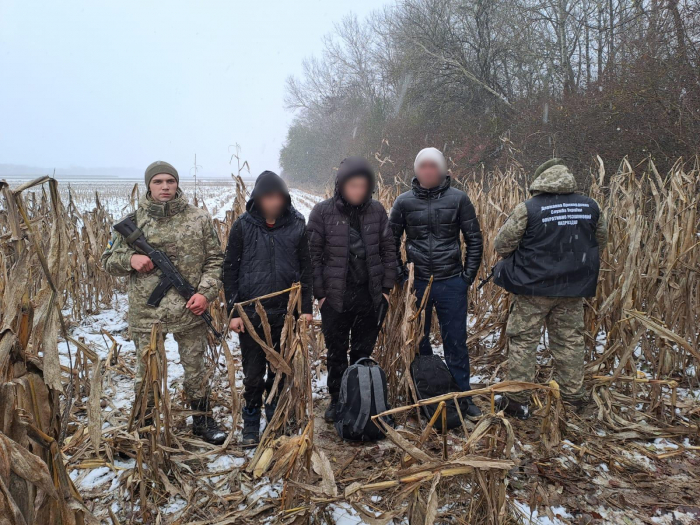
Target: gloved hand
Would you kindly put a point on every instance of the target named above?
(467, 279)
(401, 274)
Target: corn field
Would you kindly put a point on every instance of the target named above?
(59, 421)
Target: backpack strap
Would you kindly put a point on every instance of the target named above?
(378, 389)
(365, 384)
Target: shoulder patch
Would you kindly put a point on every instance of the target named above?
(111, 241)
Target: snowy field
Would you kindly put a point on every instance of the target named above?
(102, 487)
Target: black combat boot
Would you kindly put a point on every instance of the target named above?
(204, 425)
(513, 408)
(473, 411)
(329, 416)
(579, 404)
(270, 410)
(251, 427)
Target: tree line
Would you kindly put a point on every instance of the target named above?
(491, 81)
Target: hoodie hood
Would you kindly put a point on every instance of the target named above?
(351, 167)
(557, 179)
(266, 183)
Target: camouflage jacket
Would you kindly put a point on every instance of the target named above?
(186, 235)
(557, 179)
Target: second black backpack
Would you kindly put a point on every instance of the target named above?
(431, 378)
(362, 395)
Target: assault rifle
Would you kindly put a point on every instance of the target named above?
(170, 276)
(483, 282)
(381, 314)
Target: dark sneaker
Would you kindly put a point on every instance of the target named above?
(251, 427)
(329, 415)
(473, 411)
(205, 426)
(513, 408)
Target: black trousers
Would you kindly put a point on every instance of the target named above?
(255, 364)
(354, 329)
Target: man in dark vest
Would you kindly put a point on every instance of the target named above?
(551, 246)
(267, 251)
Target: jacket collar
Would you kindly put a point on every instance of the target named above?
(164, 209)
(430, 193)
(346, 208)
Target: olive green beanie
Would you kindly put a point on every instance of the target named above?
(158, 167)
(545, 166)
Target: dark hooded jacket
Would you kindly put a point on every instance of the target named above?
(337, 253)
(262, 259)
(432, 219)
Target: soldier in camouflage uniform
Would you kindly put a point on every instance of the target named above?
(551, 246)
(186, 235)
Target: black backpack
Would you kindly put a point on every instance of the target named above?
(431, 378)
(362, 395)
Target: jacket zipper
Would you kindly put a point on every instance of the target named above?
(430, 233)
(347, 269)
(272, 257)
(369, 271)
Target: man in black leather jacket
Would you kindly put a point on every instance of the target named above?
(433, 214)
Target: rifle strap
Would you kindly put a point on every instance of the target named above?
(133, 236)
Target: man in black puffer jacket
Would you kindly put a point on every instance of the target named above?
(267, 251)
(354, 260)
(433, 214)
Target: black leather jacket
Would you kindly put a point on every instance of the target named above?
(432, 219)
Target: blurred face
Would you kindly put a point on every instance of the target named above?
(163, 187)
(272, 205)
(429, 174)
(355, 189)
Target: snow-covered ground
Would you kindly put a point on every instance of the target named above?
(103, 485)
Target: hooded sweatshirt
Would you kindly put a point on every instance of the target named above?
(264, 258)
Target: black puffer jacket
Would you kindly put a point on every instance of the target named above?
(329, 240)
(432, 220)
(262, 259)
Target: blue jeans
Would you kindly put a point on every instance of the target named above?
(449, 298)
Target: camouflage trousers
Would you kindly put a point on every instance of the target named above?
(564, 319)
(191, 345)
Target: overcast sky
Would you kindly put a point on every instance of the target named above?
(123, 83)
